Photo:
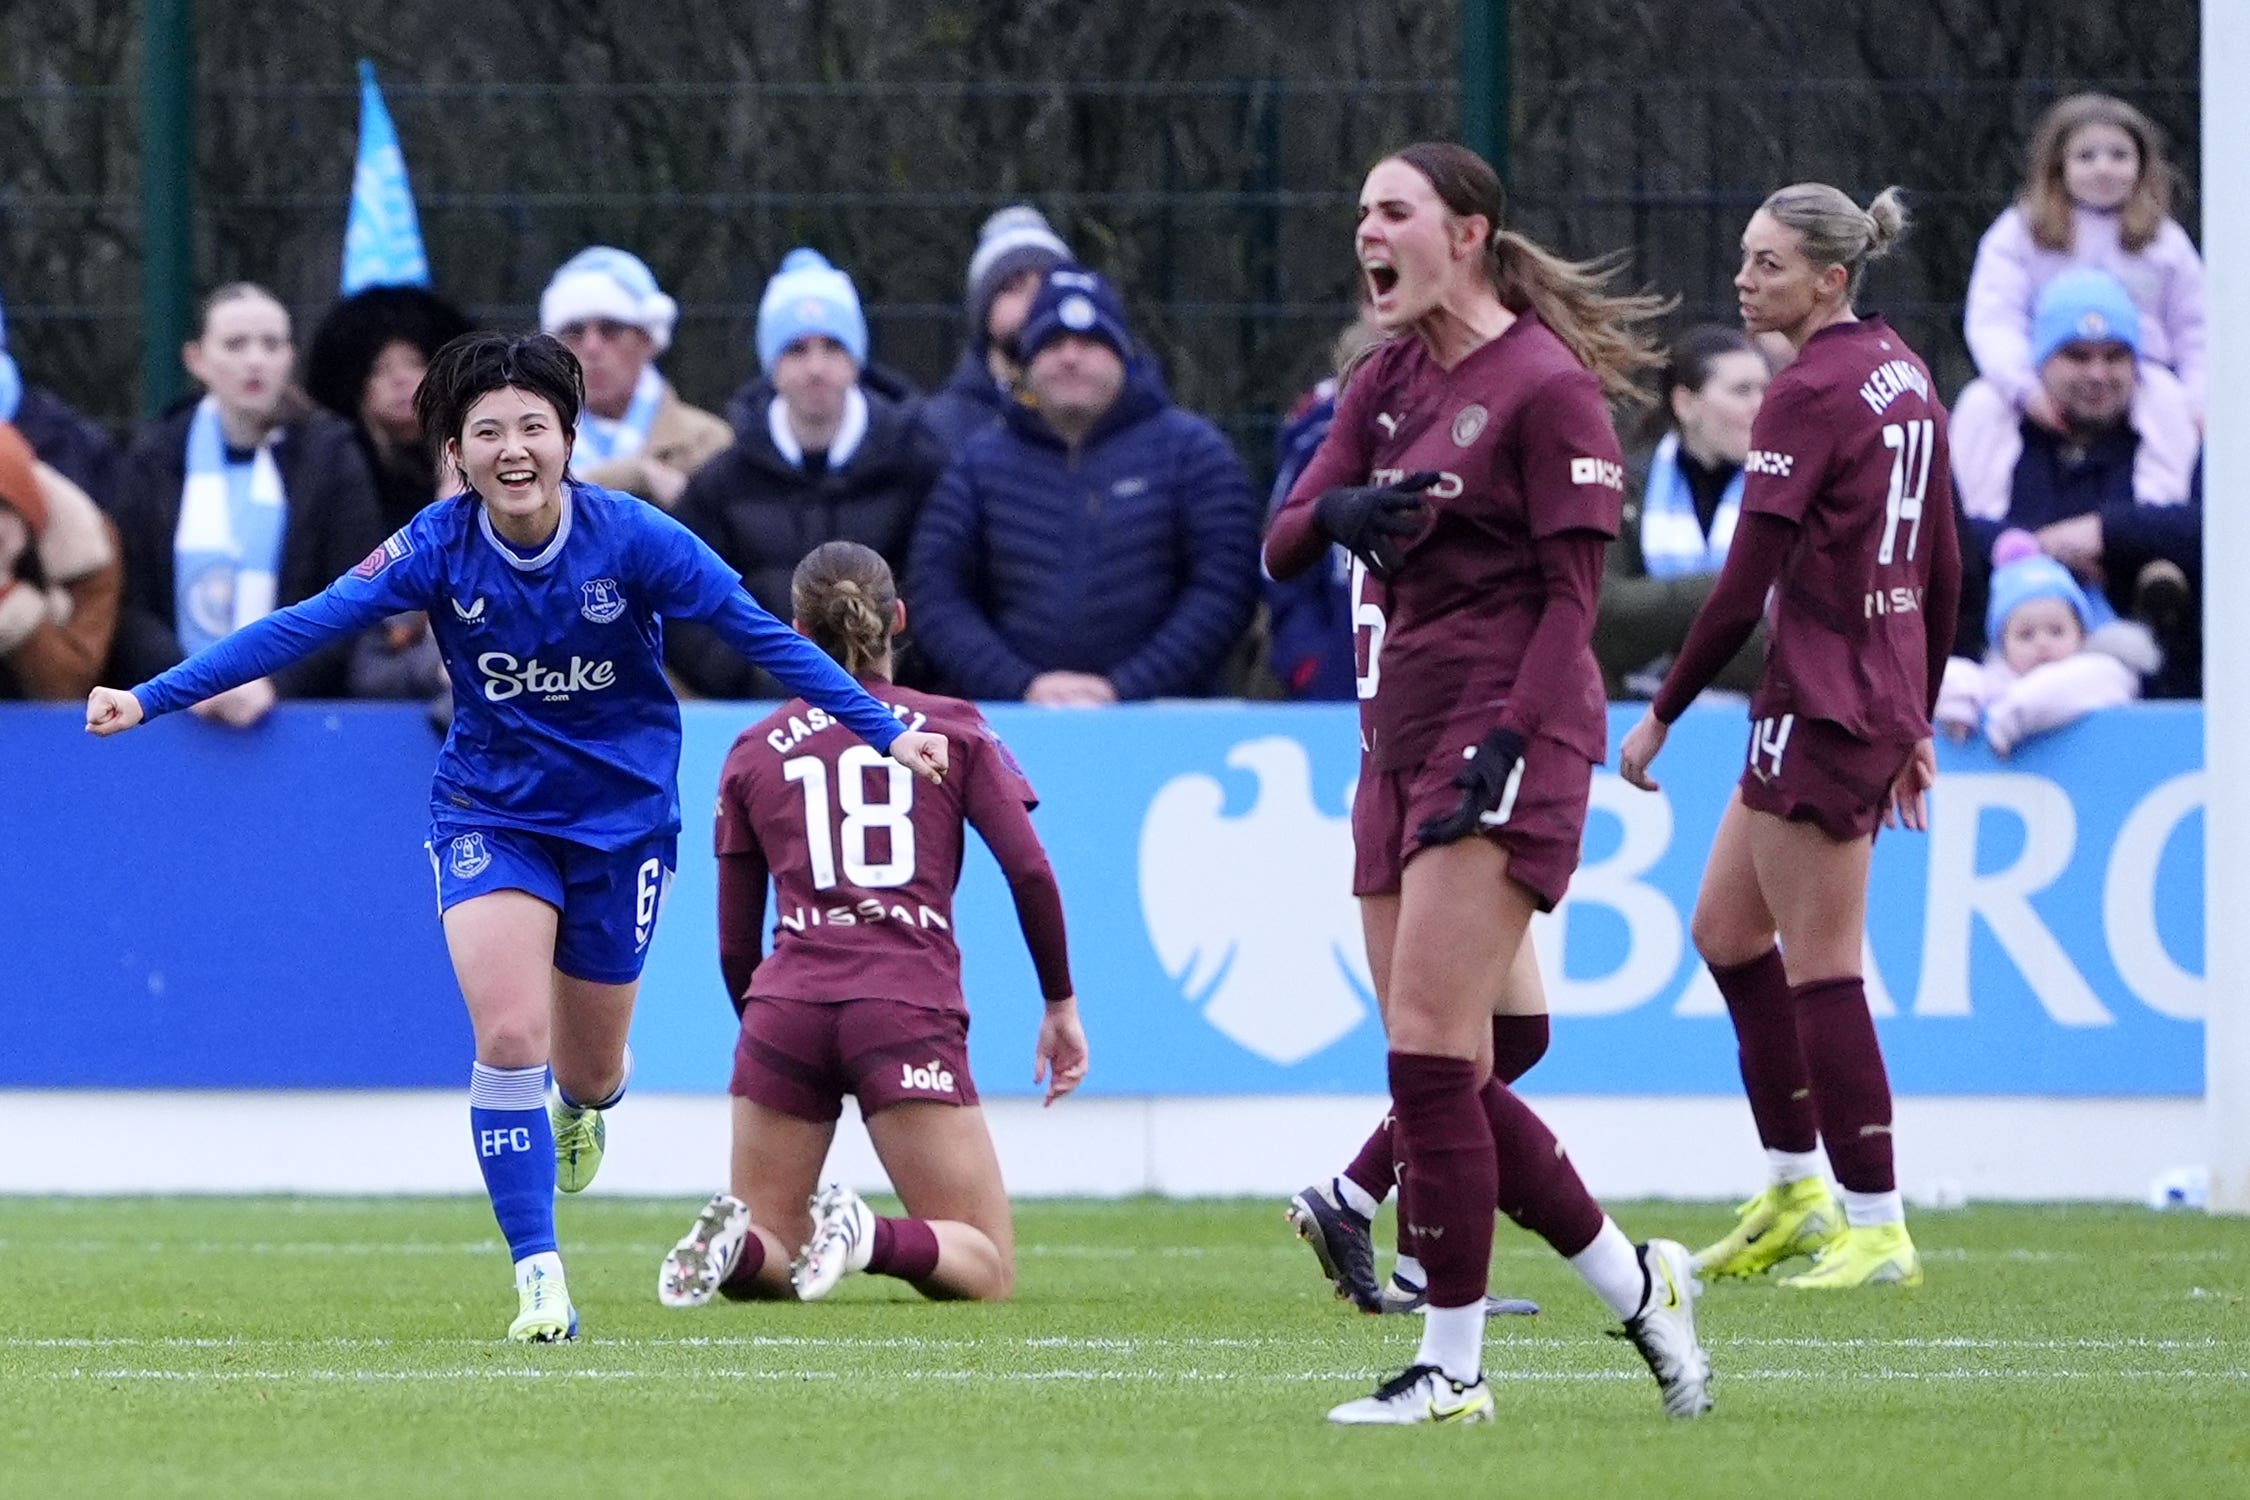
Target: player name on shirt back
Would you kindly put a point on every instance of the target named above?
(783, 738)
(1892, 379)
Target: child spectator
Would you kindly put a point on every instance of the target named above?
(2097, 193)
(2049, 664)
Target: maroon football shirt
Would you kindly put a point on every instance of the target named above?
(1850, 446)
(864, 855)
(1520, 436)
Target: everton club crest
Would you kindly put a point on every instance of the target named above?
(602, 603)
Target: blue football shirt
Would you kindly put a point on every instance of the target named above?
(563, 720)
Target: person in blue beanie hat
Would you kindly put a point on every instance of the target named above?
(807, 297)
(821, 454)
(2083, 489)
(1096, 544)
(2084, 306)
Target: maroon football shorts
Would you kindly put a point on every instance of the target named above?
(1541, 832)
(1815, 771)
(802, 1057)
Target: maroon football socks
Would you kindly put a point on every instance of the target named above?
(1451, 1174)
(905, 1248)
(1518, 1042)
(1371, 1171)
(1537, 1187)
(1774, 1073)
(741, 1284)
(1850, 1088)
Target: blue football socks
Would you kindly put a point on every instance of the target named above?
(516, 1151)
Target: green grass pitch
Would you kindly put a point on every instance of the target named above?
(265, 1346)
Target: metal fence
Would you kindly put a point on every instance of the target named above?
(1210, 165)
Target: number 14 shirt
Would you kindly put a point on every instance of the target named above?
(1850, 447)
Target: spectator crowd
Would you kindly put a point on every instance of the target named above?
(1067, 533)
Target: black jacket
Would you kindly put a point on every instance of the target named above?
(333, 522)
(69, 443)
(763, 513)
(969, 401)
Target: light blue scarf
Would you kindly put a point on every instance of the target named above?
(604, 440)
(227, 551)
(1672, 541)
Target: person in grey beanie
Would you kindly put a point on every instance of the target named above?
(1016, 249)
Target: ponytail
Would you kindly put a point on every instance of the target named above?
(845, 599)
(1835, 231)
(1608, 331)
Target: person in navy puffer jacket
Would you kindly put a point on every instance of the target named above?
(1099, 543)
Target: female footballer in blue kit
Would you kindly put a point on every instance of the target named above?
(555, 808)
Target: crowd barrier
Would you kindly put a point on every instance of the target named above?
(193, 908)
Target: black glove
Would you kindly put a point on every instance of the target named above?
(1484, 783)
(1369, 521)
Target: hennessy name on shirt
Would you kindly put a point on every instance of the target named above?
(1890, 380)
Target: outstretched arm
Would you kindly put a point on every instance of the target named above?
(260, 648)
(803, 667)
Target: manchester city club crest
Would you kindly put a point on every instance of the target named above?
(470, 857)
(1467, 423)
(603, 603)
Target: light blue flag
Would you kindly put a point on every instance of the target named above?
(383, 236)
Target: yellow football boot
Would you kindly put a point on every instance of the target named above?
(1786, 1220)
(1866, 1255)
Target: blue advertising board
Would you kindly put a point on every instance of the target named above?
(190, 907)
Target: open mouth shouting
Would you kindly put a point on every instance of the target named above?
(1382, 279)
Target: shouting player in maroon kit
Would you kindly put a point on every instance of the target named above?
(862, 992)
(1847, 520)
(1473, 468)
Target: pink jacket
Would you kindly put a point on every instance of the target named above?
(1986, 437)
(2166, 281)
(2010, 709)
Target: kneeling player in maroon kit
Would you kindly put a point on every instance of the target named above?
(1847, 522)
(862, 992)
(1473, 466)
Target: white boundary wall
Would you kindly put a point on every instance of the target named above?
(676, 1145)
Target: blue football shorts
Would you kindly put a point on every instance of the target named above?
(607, 900)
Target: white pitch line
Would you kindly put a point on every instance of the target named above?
(1147, 1377)
(1121, 1345)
